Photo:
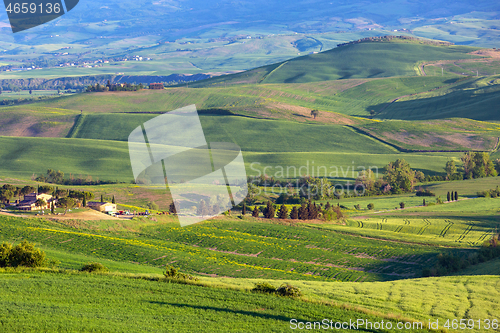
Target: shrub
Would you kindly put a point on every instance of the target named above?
(172, 273)
(151, 205)
(425, 193)
(401, 205)
(288, 291)
(264, 287)
(329, 214)
(439, 201)
(357, 207)
(483, 194)
(23, 254)
(94, 267)
(5, 250)
(370, 206)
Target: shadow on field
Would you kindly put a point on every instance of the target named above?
(457, 103)
(225, 310)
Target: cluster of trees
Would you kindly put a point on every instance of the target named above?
(452, 196)
(389, 38)
(309, 211)
(23, 254)
(213, 207)
(450, 263)
(475, 165)
(114, 87)
(398, 178)
(494, 193)
(57, 177)
(8, 191)
(65, 198)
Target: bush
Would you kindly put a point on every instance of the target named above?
(357, 207)
(370, 206)
(401, 205)
(425, 193)
(152, 205)
(94, 267)
(329, 214)
(264, 287)
(23, 254)
(172, 273)
(483, 194)
(288, 290)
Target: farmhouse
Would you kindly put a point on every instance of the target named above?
(102, 206)
(156, 86)
(30, 199)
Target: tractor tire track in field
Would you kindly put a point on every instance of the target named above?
(483, 237)
(445, 230)
(465, 233)
(399, 228)
(360, 224)
(427, 224)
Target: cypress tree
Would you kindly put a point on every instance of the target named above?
(448, 196)
(52, 207)
(102, 199)
(269, 212)
(202, 208)
(244, 209)
(423, 204)
(303, 213)
(456, 195)
(311, 211)
(255, 212)
(283, 213)
(171, 208)
(84, 201)
(327, 205)
(113, 201)
(294, 214)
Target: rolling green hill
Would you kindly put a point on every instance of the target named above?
(109, 160)
(252, 135)
(362, 60)
(477, 99)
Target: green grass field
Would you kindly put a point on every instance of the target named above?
(109, 160)
(364, 60)
(438, 298)
(246, 249)
(76, 303)
(480, 95)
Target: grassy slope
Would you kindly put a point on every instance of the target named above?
(248, 249)
(89, 303)
(364, 60)
(481, 95)
(437, 298)
(442, 135)
(252, 135)
(109, 160)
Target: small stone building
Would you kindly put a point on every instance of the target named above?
(103, 207)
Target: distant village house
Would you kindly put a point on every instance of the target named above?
(156, 86)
